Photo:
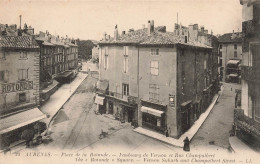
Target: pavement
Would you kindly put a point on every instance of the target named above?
(56, 101)
(190, 133)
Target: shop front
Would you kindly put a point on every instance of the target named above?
(153, 119)
(187, 115)
(100, 101)
(12, 126)
(128, 113)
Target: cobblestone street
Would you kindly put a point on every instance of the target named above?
(215, 131)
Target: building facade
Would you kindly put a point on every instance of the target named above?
(247, 119)
(156, 79)
(230, 52)
(58, 60)
(19, 80)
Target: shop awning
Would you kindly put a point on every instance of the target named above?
(233, 75)
(102, 85)
(21, 119)
(186, 103)
(233, 62)
(99, 100)
(152, 111)
(65, 74)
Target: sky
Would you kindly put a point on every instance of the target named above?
(89, 19)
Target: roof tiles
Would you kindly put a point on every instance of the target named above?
(18, 42)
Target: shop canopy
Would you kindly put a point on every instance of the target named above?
(99, 100)
(233, 62)
(152, 111)
(21, 119)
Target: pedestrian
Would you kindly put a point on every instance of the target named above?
(186, 146)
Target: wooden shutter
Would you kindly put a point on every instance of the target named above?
(6, 75)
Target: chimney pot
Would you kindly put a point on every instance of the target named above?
(115, 33)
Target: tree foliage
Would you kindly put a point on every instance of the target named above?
(85, 48)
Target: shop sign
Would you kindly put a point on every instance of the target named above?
(15, 87)
(171, 100)
(158, 122)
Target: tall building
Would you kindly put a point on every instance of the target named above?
(58, 60)
(230, 53)
(159, 80)
(19, 85)
(247, 119)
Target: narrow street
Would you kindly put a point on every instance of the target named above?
(215, 131)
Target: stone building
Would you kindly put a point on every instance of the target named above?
(230, 52)
(58, 60)
(19, 85)
(159, 80)
(247, 119)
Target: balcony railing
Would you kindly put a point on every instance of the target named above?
(250, 28)
(130, 99)
(250, 73)
(247, 124)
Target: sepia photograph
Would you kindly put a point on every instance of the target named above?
(129, 81)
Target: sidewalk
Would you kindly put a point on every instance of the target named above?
(56, 101)
(240, 147)
(190, 133)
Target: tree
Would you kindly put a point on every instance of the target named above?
(85, 48)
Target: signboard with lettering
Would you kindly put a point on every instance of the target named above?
(171, 100)
(15, 87)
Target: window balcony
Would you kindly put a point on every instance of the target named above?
(246, 127)
(250, 73)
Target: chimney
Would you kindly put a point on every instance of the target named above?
(233, 31)
(149, 27)
(20, 21)
(202, 29)
(123, 32)
(195, 26)
(206, 31)
(108, 36)
(115, 33)
(104, 36)
(152, 25)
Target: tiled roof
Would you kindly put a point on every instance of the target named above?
(18, 42)
(231, 38)
(141, 37)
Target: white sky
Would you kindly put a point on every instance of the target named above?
(89, 19)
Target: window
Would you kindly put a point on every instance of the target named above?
(235, 46)
(106, 62)
(125, 64)
(220, 62)
(126, 89)
(186, 39)
(205, 64)
(23, 55)
(22, 97)
(22, 74)
(235, 54)
(220, 46)
(2, 75)
(106, 58)
(154, 68)
(256, 108)
(220, 53)
(153, 92)
(2, 54)
(154, 51)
